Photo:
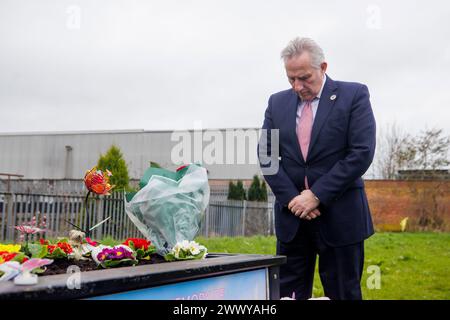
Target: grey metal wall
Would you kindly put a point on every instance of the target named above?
(69, 155)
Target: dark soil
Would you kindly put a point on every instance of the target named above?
(61, 266)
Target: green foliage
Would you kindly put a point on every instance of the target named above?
(154, 165)
(110, 241)
(183, 255)
(19, 257)
(113, 161)
(263, 192)
(257, 190)
(57, 253)
(37, 250)
(231, 191)
(38, 270)
(253, 191)
(251, 245)
(116, 263)
(236, 191)
(240, 191)
(142, 254)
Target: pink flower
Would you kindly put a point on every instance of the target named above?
(91, 242)
(32, 226)
(116, 253)
(29, 229)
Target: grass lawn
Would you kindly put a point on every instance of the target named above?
(412, 265)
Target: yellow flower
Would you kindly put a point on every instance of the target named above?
(403, 223)
(10, 248)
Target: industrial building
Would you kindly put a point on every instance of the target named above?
(51, 158)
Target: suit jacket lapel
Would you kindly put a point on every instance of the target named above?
(292, 128)
(324, 108)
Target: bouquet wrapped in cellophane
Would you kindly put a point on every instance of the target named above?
(170, 206)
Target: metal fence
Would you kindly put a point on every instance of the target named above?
(231, 218)
(222, 217)
(59, 210)
(221, 193)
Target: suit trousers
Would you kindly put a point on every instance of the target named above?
(340, 268)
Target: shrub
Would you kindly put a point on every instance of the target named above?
(113, 161)
(257, 190)
(236, 191)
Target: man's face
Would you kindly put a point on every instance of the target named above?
(305, 80)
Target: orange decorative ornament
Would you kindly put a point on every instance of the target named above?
(98, 182)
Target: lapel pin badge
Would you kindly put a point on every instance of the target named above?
(333, 97)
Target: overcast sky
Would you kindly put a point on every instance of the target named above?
(162, 65)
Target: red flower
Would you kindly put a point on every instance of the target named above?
(43, 242)
(67, 248)
(7, 256)
(97, 182)
(182, 167)
(138, 243)
(50, 248)
(64, 246)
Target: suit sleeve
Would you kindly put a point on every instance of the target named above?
(280, 183)
(361, 148)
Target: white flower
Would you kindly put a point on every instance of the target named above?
(190, 248)
(194, 249)
(176, 251)
(185, 245)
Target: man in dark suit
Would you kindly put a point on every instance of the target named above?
(326, 133)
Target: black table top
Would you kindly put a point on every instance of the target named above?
(108, 281)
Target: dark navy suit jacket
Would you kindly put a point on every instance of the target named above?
(341, 150)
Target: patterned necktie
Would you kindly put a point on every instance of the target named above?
(304, 129)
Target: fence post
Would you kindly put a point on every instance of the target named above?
(207, 222)
(272, 219)
(9, 214)
(244, 211)
(99, 215)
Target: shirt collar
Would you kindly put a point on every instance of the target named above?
(323, 84)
